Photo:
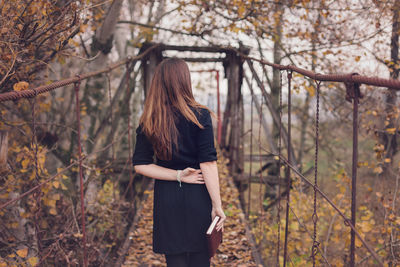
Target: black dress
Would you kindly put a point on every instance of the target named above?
(181, 215)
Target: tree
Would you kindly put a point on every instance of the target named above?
(33, 33)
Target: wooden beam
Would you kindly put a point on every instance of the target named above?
(266, 179)
(202, 59)
(207, 49)
(256, 157)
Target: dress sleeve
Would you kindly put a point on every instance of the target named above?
(143, 149)
(205, 139)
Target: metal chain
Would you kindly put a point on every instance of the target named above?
(309, 234)
(353, 92)
(279, 171)
(315, 216)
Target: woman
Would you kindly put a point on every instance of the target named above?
(178, 131)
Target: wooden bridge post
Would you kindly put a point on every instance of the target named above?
(149, 64)
(234, 113)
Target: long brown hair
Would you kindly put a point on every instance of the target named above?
(170, 93)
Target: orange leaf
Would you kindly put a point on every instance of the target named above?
(22, 252)
(20, 86)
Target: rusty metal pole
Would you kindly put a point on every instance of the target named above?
(219, 125)
(354, 175)
(251, 160)
(278, 213)
(78, 122)
(285, 253)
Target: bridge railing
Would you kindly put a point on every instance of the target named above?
(352, 82)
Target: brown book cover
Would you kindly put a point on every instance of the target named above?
(214, 237)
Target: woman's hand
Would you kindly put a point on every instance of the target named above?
(218, 211)
(192, 176)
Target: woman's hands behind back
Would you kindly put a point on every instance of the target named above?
(192, 176)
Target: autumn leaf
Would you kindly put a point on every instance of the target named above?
(53, 211)
(56, 184)
(33, 261)
(20, 86)
(25, 163)
(78, 235)
(391, 130)
(310, 90)
(378, 169)
(22, 252)
(358, 242)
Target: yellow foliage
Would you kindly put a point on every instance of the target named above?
(310, 90)
(391, 130)
(22, 252)
(56, 184)
(78, 235)
(53, 211)
(25, 163)
(14, 225)
(50, 202)
(378, 169)
(32, 30)
(33, 261)
(20, 86)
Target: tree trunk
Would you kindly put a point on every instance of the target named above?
(389, 139)
(102, 42)
(277, 54)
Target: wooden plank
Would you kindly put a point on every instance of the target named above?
(209, 49)
(202, 59)
(256, 157)
(266, 179)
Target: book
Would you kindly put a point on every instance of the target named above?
(214, 237)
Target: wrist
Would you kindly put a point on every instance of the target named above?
(216, 205)
(178, 177)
